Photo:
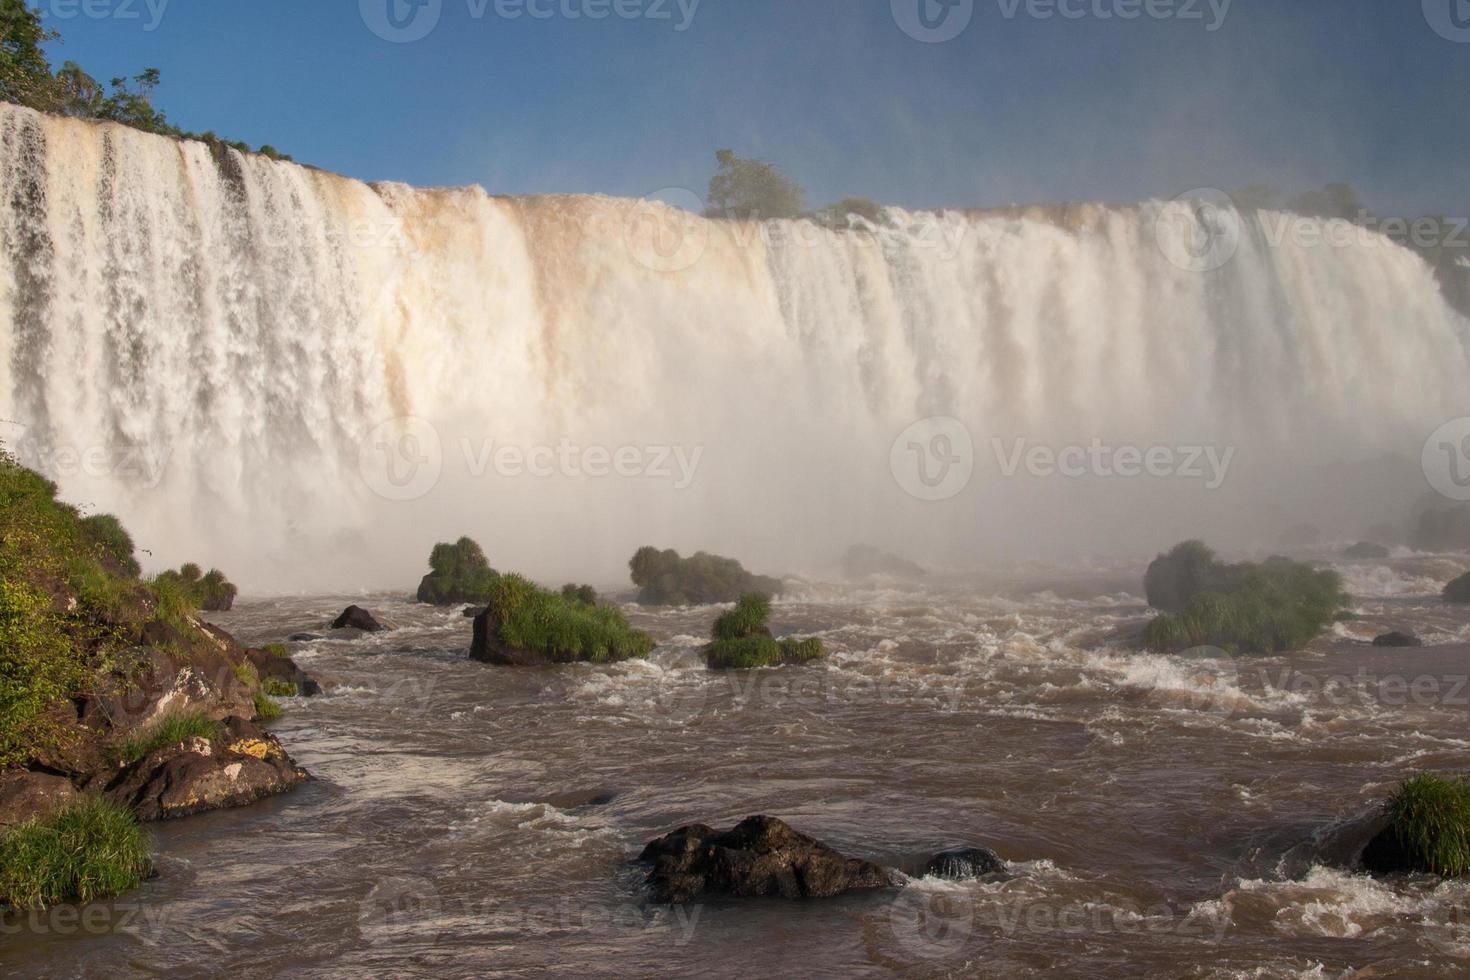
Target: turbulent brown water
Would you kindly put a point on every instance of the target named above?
(1160, 812)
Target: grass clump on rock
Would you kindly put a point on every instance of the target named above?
(742, 641)
(1271, 607)
(79, 853)
(209, 591)
(666, 579)
(1428, 828)
(1459, 589)
(525, 624)
(171, 729)
(458, 573)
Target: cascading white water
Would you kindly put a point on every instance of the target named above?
(221, 350)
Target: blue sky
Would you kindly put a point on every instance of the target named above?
(1018, 106)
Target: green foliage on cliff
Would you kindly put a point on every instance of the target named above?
(112, 539)
(741, 640)
(1271, 607)
(666, 579)
(458, 573)
(47, 644)
(528, 617)
(26, 79)
(1430, 818)
(80, 853)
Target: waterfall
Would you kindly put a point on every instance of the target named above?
(307, 379)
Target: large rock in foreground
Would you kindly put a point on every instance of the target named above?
(760, 856)
(243, 765)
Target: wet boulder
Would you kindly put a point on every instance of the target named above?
(358, 618)
(302, 638)
(1366, 551)
(1398, 640)
(964, 863)
(1459, 589)
(271, 666)
(759, 857)
(242, 765)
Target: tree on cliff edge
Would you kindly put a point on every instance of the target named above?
(753, 189)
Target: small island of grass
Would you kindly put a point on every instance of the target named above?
(666, 579)
(1271, 607)
(524, 624)
(742, 641)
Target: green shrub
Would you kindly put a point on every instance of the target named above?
(585, 594)
(112, 540)
(751, 189)
(1272, 607)
(189, 590)
(278, 688)
(265, 708)
(666, 579)
(276, 650)
(1459, 589)
(1430, 818)
(742, 641)
(459, 573)
(246, 673)
(171, 729)
(79, 853)
(527, 617)
(748, 618)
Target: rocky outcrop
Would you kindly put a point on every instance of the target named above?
(1458, 590)
(760, 856)
(487, 647)
(243, 765)
(1398, 640)
(1366, 551)
(863, 561)
(964, 863)
(27, 794)
(358, 618)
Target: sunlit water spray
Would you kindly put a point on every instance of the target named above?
(221, 349)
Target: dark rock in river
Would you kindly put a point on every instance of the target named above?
(965, 863)
(302, 638)
(760, 856)
(271, 667)
(1365, 550)
(471, 612)
(358, 618)
(1398, 640)
(242, 766)
(1459, 589)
